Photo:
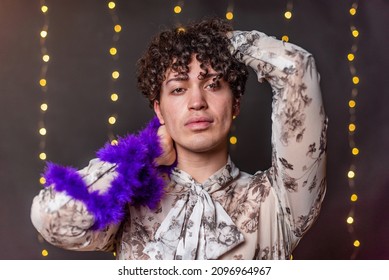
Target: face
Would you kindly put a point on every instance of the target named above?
(197, 111)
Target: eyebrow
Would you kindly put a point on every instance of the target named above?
(177, 78)
(180, 77)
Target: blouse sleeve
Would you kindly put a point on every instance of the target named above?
(65, 222)
(299, 124)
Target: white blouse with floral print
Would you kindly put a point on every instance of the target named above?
(233, 215)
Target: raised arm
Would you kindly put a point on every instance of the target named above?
(299, 123)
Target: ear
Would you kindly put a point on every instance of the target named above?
(157, 110)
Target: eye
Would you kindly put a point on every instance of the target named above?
(214, 85)
(178, 91)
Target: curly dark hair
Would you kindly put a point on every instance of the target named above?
(173, 48)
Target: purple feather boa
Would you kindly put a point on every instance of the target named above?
(138, 180)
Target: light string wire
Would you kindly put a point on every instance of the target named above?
(177, 10)
(115, 73)
(43, 107)
(233, 139)
(288, 13)
(354, 150)
(230, 10)
(287, 17)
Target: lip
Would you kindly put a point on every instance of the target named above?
(198, 123)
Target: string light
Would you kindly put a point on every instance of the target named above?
(112, 120)
(42, 156)
(230, 10)
(45, 253)
(42, 180)
(178, 9)
(229, 15)
(352, 128)
(114, 97)
(287, 16)
(115, 74)
(42, 131)
(43, 85)
(43, 82)
(233, 140)
(111, 5)
(44, 33)
(113, 52)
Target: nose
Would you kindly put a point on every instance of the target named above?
(197, 100)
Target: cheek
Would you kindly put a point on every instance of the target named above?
(170, 118)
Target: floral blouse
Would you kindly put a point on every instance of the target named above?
(233, 215)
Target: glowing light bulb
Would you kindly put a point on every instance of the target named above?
(111, 5)
(233, 140)
(42, 131)
(112, 120)
(355, 151)
(350, 220)
(353, 11)
(177, 9)
(350, 57)
(355, 80)
(351, 174)
(42, 156)
(352, 127)
(357, 243)
(114, 97)
(115, 74)
(45, 253)
(285, 38)
(352, 103)
(288, 15)
(117, 28)
(229, 15)
(114, 142)
(42, 180)
(44, 9)
(43, 82)
(355, 33)
(44, 107)
(43, 33)
(46, 58)
(354, 197)
(113, 51)
(181, 29)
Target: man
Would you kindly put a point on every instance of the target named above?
(172, 191)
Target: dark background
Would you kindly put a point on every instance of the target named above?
(80, 34)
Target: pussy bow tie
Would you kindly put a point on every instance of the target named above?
(197, 227)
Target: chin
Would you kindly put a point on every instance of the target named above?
(204, 146)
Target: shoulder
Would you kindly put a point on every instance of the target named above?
(253, 186)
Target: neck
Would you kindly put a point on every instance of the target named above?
(201, 165)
